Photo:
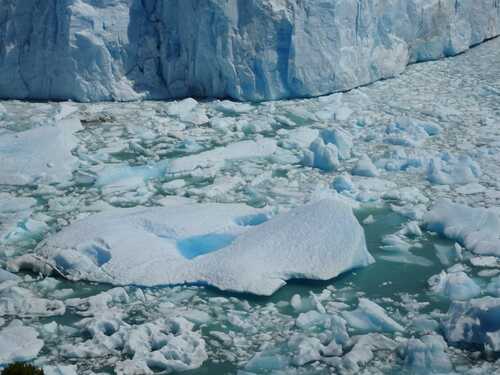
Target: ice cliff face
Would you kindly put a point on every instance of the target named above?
(90, 50)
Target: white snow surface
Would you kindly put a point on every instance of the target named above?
(226, 246)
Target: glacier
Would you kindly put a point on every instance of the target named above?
(97, 50)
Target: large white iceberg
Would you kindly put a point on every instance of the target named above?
(247, 50)
(232, 247)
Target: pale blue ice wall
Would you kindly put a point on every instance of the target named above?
(90, 50)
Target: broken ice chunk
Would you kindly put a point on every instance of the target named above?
(426, 355)
(18, 343)
(365, 167)
(478, 229)
(454, 285)
(474, 322)
(370, 317)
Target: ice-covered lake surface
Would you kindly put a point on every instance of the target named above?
(417, 157)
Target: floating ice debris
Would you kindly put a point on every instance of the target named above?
(217, 157)
(342, 183)
(449, 170)
(325, 151)
(476, 321)
(397, 247)
(410, 132)
(365, 167)
(426, 355)
(454, 285)
(494, 286)
(370, 317)
(7, 276)
(41, 154)
(60, 370)
(362, 351)
(321, 155)
(20, 302)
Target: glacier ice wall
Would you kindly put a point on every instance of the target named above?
(91, 50)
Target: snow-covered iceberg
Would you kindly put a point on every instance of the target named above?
(229, 246)
(248, 50)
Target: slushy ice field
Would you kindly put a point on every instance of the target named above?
(215, 237)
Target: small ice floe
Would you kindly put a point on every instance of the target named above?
(321, 155)
(369, 220)
(96, 304)
(365, 167)
(188, 110)
(485, 261)
(469, 189)
(475, 322)
(370, 317)
(21, 302)
(18, 343)
(397, 246)
(60, 370)
(494, 286)
(8, 276)
(326, 151)
(426, 355)
(448, 255)
(217, 157)
(410, 132)
(478, 229)
(450, 170)
(125, 178)
(169, 345)
(41, 154)
(299, 138)
(232, 108)
(454, 284)
(342, 183)
(15, 222)
(232, 247)
(362, 351)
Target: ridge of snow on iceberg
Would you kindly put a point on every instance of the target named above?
(229, 246)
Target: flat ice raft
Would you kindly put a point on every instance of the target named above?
(229, 246)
